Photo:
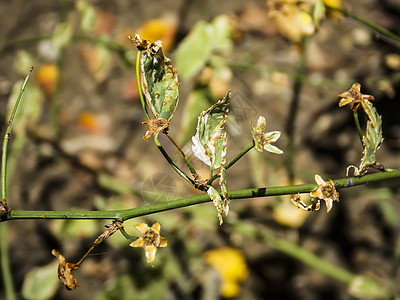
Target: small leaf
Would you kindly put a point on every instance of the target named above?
(205, 38)
(88, 16)
(218, 203)
(209, 142)
(41, 282)
(62, 35)
(372, 139)
(159, 80)
(318, 12)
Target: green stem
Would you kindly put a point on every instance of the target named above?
(357, 122)
(5, 264)
(294, 105)
(185, 157)
(183, 202)
(170, 161)
(233, 161)
(5, 260)
(139, 85)
(378, 29)
(296, 252)
(127, 235)
(306, 257)
(7, 137)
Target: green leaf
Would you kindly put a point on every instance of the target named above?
(218, 203)
(205, 39)
(62, 35)
(209, 142)
(318, 12)
(88, 16)
(364, 287)
(372, 139)
(41, 282)
(159, 80)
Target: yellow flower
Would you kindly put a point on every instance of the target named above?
(150, 239)
(354, 97)
(231, 267)
(326, 191)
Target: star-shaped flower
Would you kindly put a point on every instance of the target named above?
(326, 191)
(354, 97)
(262, 139)
(150, 239)
(156, 126)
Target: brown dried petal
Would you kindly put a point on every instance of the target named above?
(64, 271)
(156, 126)
(111, 229)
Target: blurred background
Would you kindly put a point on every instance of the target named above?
(77, 144)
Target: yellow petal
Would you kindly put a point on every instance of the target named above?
(142, 227)
(137, 243)
(163, 242)
(345, 101)
(150, 253)
(329, 204)
(319, 180)
(156, 227)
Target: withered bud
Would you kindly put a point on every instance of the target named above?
(64, 271)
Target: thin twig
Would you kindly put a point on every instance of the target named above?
(357, 122)
(383, 32)
(185, 157)
(233, 161)
(171, 162)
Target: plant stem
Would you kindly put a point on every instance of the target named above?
(378, 29)
(185, 157)
(5, 264)
(294, 105)
(233, 161)
(183, 202)
(169, 160)
(139, 85)
(357, 122)
(5, 260)
(7, 137)
(307, 257)
(127, 235)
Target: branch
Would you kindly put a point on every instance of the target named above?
(183, 202)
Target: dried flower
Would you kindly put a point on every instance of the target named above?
(111, 229)
(354, 97)
(262, 139)
(150, 239)
(156, 126)
(326, 191)
(64, 271)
